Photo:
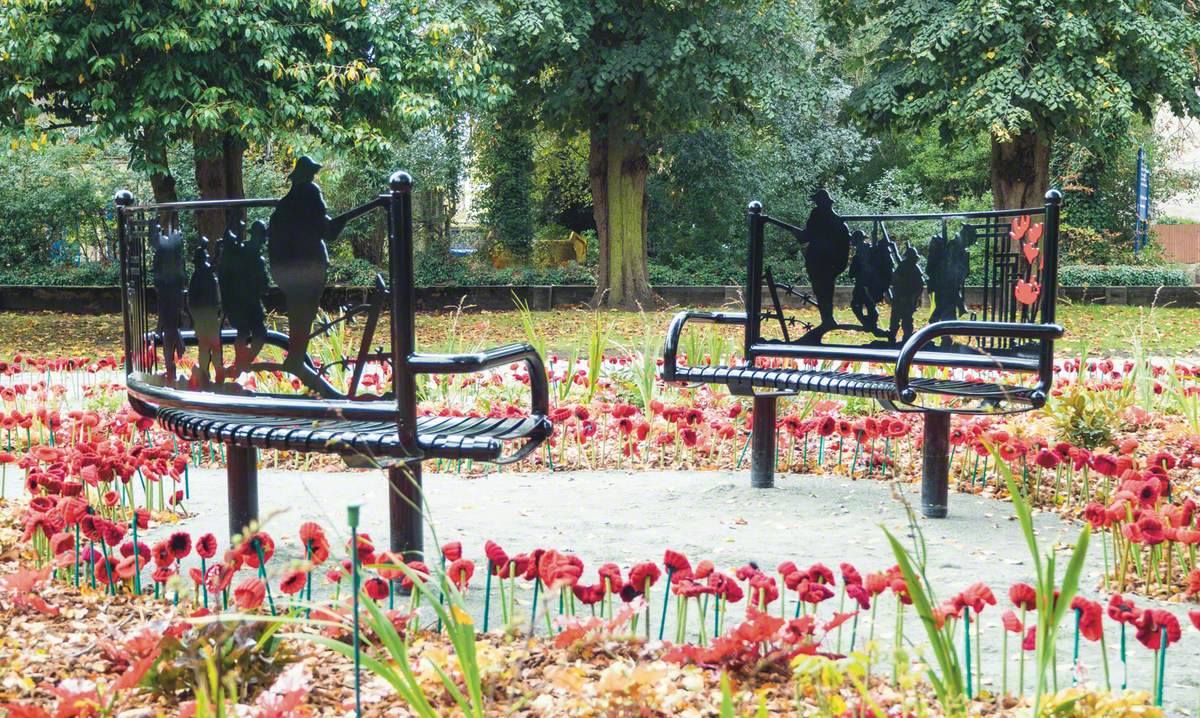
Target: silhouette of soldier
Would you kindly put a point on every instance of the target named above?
(299, 257)
(872, 272)
(170, 278)
(949, 264)
(907, 282)
(826, 254)
(242, 272)
(204, 304)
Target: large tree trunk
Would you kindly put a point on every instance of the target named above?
(1021, 170)
(218, 176)
(617, 168)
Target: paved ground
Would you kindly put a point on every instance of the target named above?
(632, 516)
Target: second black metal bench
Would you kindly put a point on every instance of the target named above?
(1009, 330)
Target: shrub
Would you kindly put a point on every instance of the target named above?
(1122, 276)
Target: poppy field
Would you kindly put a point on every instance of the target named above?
(207, 623)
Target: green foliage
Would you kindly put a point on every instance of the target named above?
(505, 161)
(948, 682)
(1007, 66)
(562, 192)
(1053, 600)
(1123, 276)
(247, 656)
(351, 72)
(54, 206)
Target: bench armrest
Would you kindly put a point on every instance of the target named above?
(489, 359)
(671, 345)
(1013, 330)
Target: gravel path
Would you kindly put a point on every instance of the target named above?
(632, 516)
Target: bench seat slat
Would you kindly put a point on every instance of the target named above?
(447, 437)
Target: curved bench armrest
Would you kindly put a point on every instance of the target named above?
(1010, 330)
(489, 359)
(671, 345)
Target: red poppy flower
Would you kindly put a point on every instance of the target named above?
(452, 550)
(1151, 625)
(389, 559)
(460, 572)
(376, 588)
(859, 593)
(1091, 617)
(850, 575)
(181, 544)
(1195, 616)
(877, 583)
(495, 555)
(1047, 459)
(1011, 623)
(293, 582)
(675, 561)
(1122, 610)
(643, 575)
(1029, 643)
(826, 426)
(1105, 464)
(250, 548)
(1193, 583)
(162, 553)
(588, 595)
(978, 595)
(420, 570)
(1023, 596)
(206, 546)
(249, 594)
(820, 573)
(610, 578)
(703, 569)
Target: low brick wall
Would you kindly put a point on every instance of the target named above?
(107, 300)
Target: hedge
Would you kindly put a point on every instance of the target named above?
(1122, 275)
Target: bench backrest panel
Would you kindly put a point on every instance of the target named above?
(183, 293)
(885, 265)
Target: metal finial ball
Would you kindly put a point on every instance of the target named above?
(400, 181)
(1054, 196)
(123, 198)
(755, 207)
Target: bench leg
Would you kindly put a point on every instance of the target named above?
(404, 510)
(762, 443)
(241, 473)
(935, 472)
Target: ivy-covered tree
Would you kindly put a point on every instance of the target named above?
(1023, 71)
(505, 160)
(223, 74)
(627, 74)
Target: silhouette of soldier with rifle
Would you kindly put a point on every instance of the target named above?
(826, 241)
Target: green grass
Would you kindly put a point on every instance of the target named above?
(1103, 330)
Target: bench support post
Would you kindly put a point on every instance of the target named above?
(762, 443)
(241, 473)
(404, 510)
(935, 471)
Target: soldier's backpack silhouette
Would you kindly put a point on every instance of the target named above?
(204, 304)
(907, 282)
(242, 272)
(170, 279)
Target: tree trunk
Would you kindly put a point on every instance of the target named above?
(162, 182)
(617, 168)
(218, 176)
(1021, 170)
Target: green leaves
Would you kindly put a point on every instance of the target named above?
(1007, 65)
(347, 71)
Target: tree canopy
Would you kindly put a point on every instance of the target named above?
(350, 72)
(1017, 69)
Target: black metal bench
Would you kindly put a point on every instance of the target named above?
(1009, 332)
(223, 298)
